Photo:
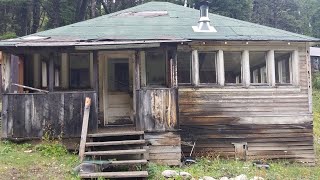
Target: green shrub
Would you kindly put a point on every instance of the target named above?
(8, 35)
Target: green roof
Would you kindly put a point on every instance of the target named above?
(163, 20)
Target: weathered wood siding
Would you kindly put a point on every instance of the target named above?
(164, 148)
(54, 114)
(157, 110)
(273, 122)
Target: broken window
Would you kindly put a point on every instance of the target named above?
(184, 67)
(207, 68)
(79, 70)
(232, 67)
(258, 67)
(283, 67)
(156, 68)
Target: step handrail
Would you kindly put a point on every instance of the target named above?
(84, 131)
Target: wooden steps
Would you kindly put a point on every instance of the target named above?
(125, 133)
(116, 175)
(116, 151)
(129, 162)
(115, 143)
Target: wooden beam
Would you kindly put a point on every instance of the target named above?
(271, 74)
(220, 66)
(137, 72)
(51, 72)
(95, 71)
(143, 69)
(195, 68)
(174, 70)
(27, 87)
(245, 68)
(6, 73)
(36, 70)
(64, 71)
(84, 131)
(295, 68)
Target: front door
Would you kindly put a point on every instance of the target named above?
(119, 92)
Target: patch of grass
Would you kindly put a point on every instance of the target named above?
(218, 168)
(48, 160)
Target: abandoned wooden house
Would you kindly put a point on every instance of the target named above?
(223, 86)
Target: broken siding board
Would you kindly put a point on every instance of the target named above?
(157, 109)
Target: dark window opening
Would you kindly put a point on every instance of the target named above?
(283, 67)
(258, 67)
(79, 70)
(156, 68)
(207, 68)
(184, 67)
(233, 67)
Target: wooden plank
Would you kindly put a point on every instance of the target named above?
(129, 162)
(84, 128)
(164, 156)
(115, 143)
(167, 162)
(124, 133)
(115, 152)
(164, 149)
(116, 175)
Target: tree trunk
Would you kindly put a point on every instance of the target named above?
(81, 10)
(36, 16)
(94, 10)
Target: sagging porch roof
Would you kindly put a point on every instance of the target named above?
(153, 21)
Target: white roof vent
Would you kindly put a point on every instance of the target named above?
(204, 21)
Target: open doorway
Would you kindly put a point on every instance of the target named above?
(118, 92)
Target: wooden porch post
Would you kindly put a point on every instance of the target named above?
(6, 73)
(295, 68)
(51, 72)
(36, 70)
(136, 88)
(174, 70)
(195, 68)
(271, 68)
(245, 68)
(95, 80)
(220, 65)
(64, 71)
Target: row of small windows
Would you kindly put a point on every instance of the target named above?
(233, 67)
